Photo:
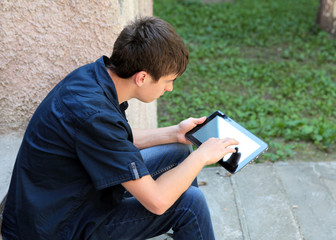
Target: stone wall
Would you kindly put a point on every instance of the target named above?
(42, 41)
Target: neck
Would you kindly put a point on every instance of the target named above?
(123, 86)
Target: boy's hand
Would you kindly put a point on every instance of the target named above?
(212, 150)
(215, 149)
(185, 126)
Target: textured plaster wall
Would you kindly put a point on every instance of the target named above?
(41, 41)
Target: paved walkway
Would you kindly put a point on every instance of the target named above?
(282, 201)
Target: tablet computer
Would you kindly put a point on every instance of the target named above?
(219, 125)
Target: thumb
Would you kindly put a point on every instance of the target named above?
(199, 120)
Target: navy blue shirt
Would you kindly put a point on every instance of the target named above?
(77, 150)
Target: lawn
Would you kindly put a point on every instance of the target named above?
(263, 63)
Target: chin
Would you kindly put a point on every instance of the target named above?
(146, 100)
(151, 100)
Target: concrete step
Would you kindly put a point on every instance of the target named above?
(286, 200)
(9, 146)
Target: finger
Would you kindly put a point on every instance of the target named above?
(230, 150)
(230, 141)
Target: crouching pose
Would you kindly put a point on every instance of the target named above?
(82, 173)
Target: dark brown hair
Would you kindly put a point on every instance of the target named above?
(149, 44)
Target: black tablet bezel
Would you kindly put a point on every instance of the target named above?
(232, 169)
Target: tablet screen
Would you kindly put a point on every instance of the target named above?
(219, 125)
(220, 128)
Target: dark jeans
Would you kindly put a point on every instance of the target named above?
(189, 217)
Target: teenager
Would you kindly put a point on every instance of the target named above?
(82, 173)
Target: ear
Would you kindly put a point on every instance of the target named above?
(140, 78)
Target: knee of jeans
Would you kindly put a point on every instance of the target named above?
(186, 149)
(195, 197)
(179, 151)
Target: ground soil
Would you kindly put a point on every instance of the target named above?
(310, 153)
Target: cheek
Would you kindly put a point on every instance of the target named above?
(163, 88)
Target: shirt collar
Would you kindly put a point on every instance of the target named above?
(107, 84)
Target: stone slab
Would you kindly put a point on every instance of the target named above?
(221, 199)
(9, 147)
(312, 193)
(265, 207)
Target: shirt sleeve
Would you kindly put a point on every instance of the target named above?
(105, 149)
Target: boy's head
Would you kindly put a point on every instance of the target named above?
(149, 44)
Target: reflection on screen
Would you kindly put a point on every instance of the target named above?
(220, 128)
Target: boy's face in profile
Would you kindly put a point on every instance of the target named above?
(153, 90)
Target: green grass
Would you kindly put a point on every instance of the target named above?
(263, 63)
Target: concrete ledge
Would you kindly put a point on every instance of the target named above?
(2, 205)
(285, 200)
(9, 147)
